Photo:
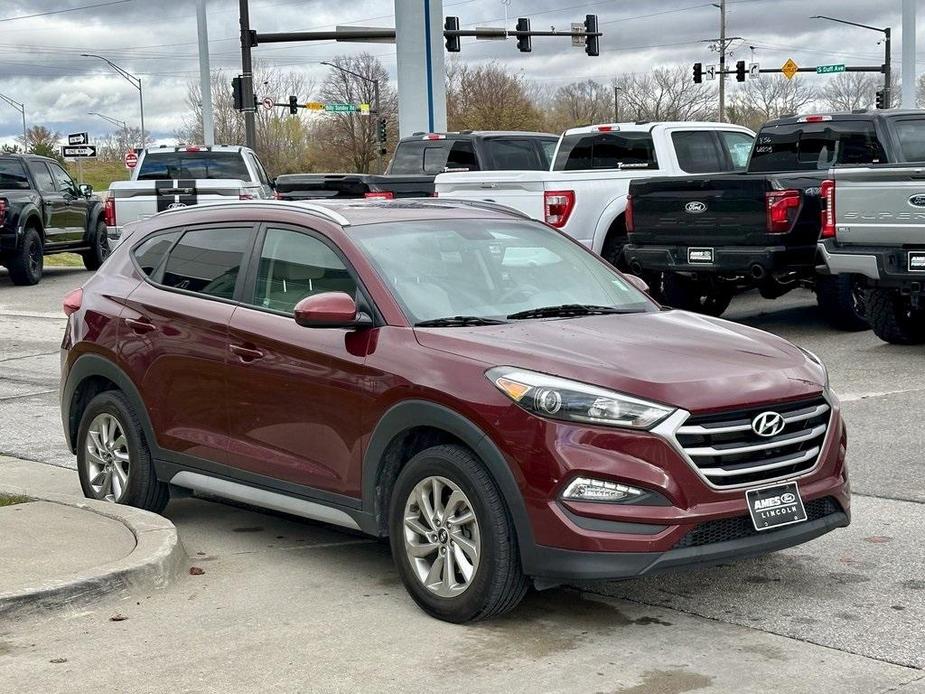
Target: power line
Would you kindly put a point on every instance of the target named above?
(70, 9)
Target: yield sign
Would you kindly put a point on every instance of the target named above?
(789, 68)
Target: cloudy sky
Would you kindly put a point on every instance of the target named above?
(40, 45)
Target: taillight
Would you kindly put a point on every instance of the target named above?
(244, 195)
(72, 301)
(827, 211)
(782, 207)
(3, 204)
(379, 195)
(558, 206)
(628, 215)
(109, 211)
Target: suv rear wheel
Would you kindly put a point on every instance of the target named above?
(113, 460)
(691, 294)
(893, 318)
(843, 301)
(26, 262)
(452, 540)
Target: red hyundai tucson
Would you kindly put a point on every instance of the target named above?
(493, 397)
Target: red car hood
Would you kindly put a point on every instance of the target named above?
(674, 357)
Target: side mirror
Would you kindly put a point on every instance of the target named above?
(86, 189)
(637, 282)
(330, 310)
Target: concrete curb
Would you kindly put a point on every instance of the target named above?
(156, 560)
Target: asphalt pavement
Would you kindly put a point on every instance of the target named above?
(290, 605)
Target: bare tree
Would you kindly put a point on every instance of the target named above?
(489, 97)
(580, 103)
(665, 94)
(760, 100)
(114, 145)
(849, 91)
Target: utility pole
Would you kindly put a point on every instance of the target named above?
(131, 79)
(205, 81)
(616, 103)
(722, 60)
(247, 77)
(908, 88)
(22, 110)
(375, 108)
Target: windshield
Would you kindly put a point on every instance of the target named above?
(490, 268)
(175, 165)
(816, 146)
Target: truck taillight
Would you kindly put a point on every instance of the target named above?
(109, 211)
(782, 210)
(558, 205)
(379, 195)
(2, 211)
(72, 301)
(827, 209)
(628, 215)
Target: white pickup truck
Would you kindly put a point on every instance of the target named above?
(170, 177)
(584, 193)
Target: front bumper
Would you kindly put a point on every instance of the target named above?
(882, 266)
(727, 260)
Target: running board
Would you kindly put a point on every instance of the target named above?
(263, 498)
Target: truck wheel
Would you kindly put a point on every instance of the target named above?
(893, 318)
(691, 294)
(843, 301)
(26, 262)
(452, 538)
(99, 247)
(612, 251)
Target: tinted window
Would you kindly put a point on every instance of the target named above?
(632, 150)
(514, 154)
(63, 182)
(261, 173)
(151, 252)
(697, 151)
(170, 165)
(549, 151)
(911, 134)
(207, 261)
(43, 179)
(738, 146)
(816, 146)
(293, 266)
(13, 175)
(431, 157)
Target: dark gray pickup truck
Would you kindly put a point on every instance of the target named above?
(704, 238)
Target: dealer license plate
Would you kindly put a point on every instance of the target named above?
(699, 255)
(776, 505)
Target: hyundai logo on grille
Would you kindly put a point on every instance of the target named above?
(917, 200)
(695, 207)
(768, 424)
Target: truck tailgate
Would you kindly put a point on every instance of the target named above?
(714, 210)
(882, 205)
(522, 190)
(136, 200)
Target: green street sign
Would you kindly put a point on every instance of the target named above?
(829, 69)
(342, 108)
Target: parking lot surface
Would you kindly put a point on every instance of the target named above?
(290, 605)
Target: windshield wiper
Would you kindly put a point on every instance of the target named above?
(457, 321)
(565, 311)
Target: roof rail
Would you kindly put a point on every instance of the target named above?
(327, 212)
(494, 206)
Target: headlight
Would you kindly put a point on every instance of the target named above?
(560, 398)
(813, 358)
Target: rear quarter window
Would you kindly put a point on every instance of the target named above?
(911, 135)
(629, 150)
(816, 146)
(150, 253)
(13, 175)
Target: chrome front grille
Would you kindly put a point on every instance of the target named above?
(727, 452)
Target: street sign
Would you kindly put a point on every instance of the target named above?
(315, 106)
(830, 69)
(78, 152)
(789, 68)
(130, 159)
(710, 72)
(754, 71)
(341, 108)
(78, 139)
(268, 103)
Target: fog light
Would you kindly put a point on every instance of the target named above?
(588, 489)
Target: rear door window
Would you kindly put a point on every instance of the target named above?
(911, 135)
(157, 166)
(208, 261)
(697, 151)
(816, 146)
(43, 179)
(13, 175)
(630, 150)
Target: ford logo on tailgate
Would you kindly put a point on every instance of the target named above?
(695, 207)
(917, 200)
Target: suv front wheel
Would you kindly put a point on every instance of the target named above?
(452, 539)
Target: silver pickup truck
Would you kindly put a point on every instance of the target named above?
(873, 227)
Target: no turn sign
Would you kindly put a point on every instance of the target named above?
(268, 103)
(130, 159)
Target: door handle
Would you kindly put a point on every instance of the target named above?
(140, 325)
(246, 354)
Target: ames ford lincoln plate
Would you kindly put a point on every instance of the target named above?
(483, 390)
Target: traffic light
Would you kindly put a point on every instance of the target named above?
(237, 91)
(452, 42)
(383, 131)
(524, 44)
(698, 73)
(881, 98)
(293, 104)
(592, 43)
(740, 71)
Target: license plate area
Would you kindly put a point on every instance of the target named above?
(775, 506)
(916, 261)
(700, 256)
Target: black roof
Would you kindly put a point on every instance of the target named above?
(859, 115)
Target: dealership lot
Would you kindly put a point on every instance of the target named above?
(847, 610)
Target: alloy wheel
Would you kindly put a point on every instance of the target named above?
(108, 461)
(442, 539)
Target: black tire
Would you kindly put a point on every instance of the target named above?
(498, 583)
(99, 247)
(689, 294)
(612, 251)
(843, 301)
(893, 318)
(26, 262)
(142, 488)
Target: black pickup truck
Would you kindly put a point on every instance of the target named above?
(706, 238)
(419, 158)
(42, 211)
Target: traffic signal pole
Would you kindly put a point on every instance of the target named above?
(722, 60)
(247, 77)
